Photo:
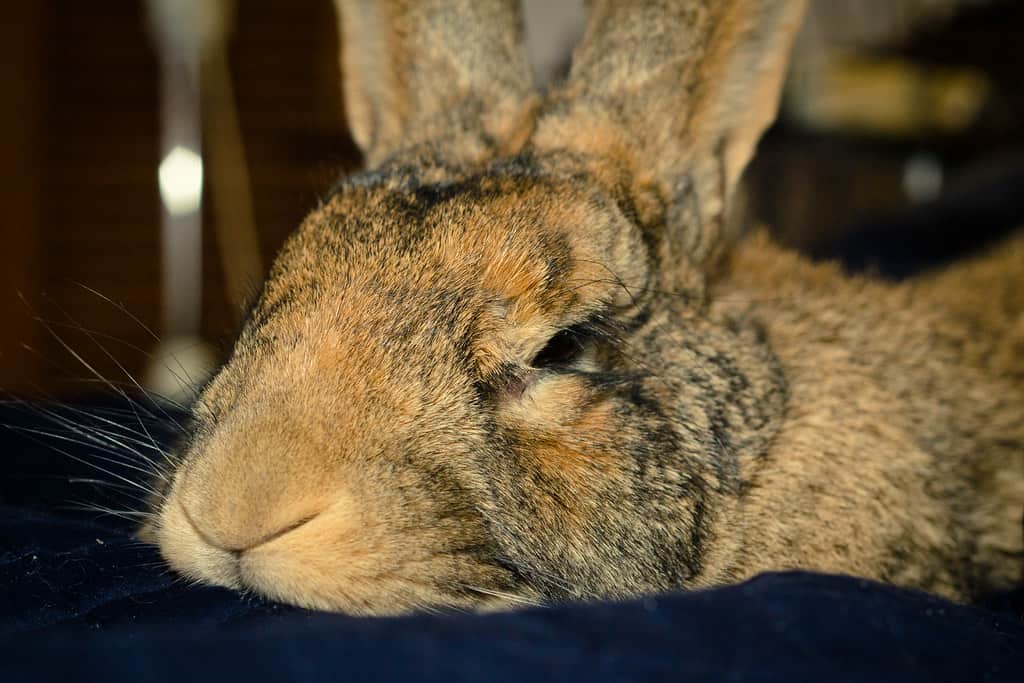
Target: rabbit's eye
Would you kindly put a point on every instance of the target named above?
(562, 350)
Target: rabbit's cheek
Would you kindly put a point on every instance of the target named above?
(333, 560)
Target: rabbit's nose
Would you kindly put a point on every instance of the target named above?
(238, 503)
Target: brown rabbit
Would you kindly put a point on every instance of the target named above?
(520, 359)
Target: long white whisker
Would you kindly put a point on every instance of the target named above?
(60, 437)
(511, 597)
(77, 356)
(103, 482)
(92, 337)
(92, 433)
(130, 515)
(148, 491)
(120, 307)
(152, 444)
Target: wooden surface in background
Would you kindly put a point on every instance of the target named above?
(99, 218)
(20, 51)
(78, 164)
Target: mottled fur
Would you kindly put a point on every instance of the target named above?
(520, 360)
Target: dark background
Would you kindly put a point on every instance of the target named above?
(79, 149)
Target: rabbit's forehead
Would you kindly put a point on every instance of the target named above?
(526, 252)
(529, 242)
(521, 237)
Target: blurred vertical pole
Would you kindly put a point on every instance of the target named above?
(180, 28)
(21, 54)
(230, 186)
(181, 184)
(197, 96)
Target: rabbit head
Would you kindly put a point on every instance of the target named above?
(485, 372)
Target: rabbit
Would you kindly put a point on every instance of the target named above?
(525, 359)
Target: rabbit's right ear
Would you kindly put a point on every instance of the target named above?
(677, 93)
(452, 72)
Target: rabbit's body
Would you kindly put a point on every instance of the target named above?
(901, 456)
(521, 360)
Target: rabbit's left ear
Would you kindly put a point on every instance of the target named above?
(450, 72)
(677, 93)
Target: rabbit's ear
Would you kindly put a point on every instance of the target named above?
(679, 91)
(426, 70)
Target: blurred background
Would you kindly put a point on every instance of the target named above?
(154, 155)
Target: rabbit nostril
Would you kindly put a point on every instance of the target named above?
(281, 532)
(246, 542)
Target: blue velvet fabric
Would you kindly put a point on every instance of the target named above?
(80, 599)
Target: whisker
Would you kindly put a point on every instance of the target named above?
(510, 597)
(557, 581)
(148, 491)
(121, 307)
(60, 437)
(151, 416)
(98, 377)
(78, 327)
(188, 385)
(132, 436)
(130, 515)
(92, 433)
(94, 436)
(60, 340)
(110, 486)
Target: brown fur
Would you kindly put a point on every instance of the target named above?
(520, 359)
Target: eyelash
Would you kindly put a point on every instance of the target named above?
(561, 351)
(566, 346)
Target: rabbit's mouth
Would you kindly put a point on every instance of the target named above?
(346, 556)
(187, 551)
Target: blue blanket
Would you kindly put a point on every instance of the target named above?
(80, 599)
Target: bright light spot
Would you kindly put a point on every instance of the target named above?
(181, 181)
(922, 177)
